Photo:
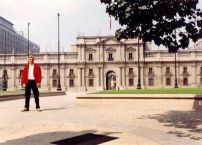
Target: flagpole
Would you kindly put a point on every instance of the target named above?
(110, 24)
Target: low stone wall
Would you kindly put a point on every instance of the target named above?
(8, 97)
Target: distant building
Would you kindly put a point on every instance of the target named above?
(103, 63)
(13, 42)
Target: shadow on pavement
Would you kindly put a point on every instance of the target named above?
(87, 137)
(51, 109)
(197, 105)
(186, 123)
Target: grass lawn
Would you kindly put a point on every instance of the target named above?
(11, 92)
(154, 91)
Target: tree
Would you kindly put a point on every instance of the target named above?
(158, 20)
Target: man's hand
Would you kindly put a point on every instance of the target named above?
(23, 85)
(38, 84)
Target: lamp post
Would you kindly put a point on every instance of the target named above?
(4, 71)
(58, 85)
(142, 7)
(176, 86)
(138, 61)
(28, 40)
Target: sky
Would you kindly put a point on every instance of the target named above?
(77, 17)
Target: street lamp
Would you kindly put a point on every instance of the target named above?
(138, 61)
(58, 86)
(28, 40)
(4, 72)
(176, 86)
(141, 7)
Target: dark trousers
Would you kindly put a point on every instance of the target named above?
(31, 85)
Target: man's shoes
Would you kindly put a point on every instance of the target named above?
(25, 110)
(38, 109)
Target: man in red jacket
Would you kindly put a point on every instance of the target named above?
(31, 79)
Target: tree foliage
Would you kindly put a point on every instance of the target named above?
(171, 23)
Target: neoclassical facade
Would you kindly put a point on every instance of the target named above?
(102, 62)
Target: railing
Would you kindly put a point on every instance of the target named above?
(184, 54)
(91, 59)
(185, 74)
(167, 55)
(110, 59)
(71, 75)
(131, 74)
(168, 74)
(151, 74)
(150, 55)
(91, 75)
(90, 39)
(200, 74)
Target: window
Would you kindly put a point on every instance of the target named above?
(110, 55)
(185, 81)
(167, 70)
(54, 72)
(54, 83)
(110, 58)
(168, 81)
(90, 72)
(91, 83)
(5, 73)
(90, 57)
(130, 57)
(21, 71)
(150, 70)
(71, 72)
(184, 69)
(201, 81)
(130, 71)
(131, 82)
(151, 82)
(71, 83)
(201, 70)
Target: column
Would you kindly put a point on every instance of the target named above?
(121, 77)
(12, 78)
(65, 78)
(125, 83)
(99, 76)
(46, 78)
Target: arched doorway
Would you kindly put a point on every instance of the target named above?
(110, 80)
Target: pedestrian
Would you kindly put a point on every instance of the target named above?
(31, 79)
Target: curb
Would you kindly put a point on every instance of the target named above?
(141, 96)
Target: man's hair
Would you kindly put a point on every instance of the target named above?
(31, 56)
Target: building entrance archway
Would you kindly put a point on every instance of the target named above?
(110, 80)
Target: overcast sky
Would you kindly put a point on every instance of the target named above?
(86, 17)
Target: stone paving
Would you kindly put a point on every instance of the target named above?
(127, 122)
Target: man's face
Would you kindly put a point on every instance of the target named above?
(31, 60)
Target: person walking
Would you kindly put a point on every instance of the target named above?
(31, 79)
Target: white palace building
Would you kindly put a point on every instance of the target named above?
(101, 62)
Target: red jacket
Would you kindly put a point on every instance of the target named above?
(37, 74)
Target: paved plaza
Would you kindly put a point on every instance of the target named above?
(64, 120)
